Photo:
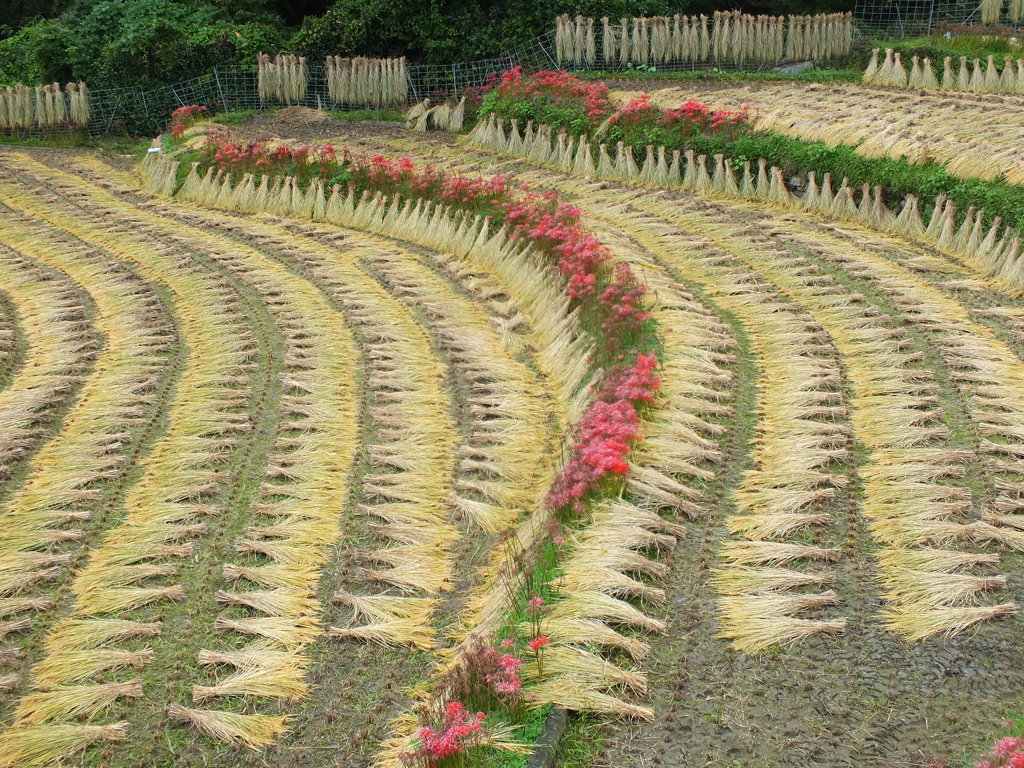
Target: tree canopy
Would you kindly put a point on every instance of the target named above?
(113, 43)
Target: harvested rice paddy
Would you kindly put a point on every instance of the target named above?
(970, 134)
(261, 474)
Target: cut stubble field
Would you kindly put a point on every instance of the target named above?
(260, 470)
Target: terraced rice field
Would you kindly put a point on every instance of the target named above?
(237, 438)
(972, 135)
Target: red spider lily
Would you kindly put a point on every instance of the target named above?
(182, 117)
(538, 642)
(556, 88)
(1005, 753)
(458, 730)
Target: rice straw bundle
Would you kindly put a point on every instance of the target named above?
(991, 82)
(871, 71)
(361, 81)
(948, 76)
(22, 106)
(898, 76)
(253, 731)
(916, 77)
(78, 96)
(281, 79)
(36, 746)
(963, 77)
(977, 82)
(928, 79)
(563, 38)
(607, 41)
(731, 36)
(1008, 78)
(990, 11)
(73, 700)
(625, 42)
(579, 39)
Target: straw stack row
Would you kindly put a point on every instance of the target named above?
(728, 36)
(282, 79)
(820, 37)
(382, 82)
(993, 249)
(45, 106)
(977, 79)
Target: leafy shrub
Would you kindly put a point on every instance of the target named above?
(110, 43)
(443, 31)
(23, 56)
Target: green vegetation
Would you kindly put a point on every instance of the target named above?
(938, 46)
(583, 739)
(896, 177)
(115, 43)
(809, 76)
(144, 43)
(122, 145)
(358, 115)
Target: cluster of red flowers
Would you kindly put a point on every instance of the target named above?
(637, 382)
(1007, 753)
(555, 88)
(622, 307)
(552, 227)
(692, 117)
(377, 173)
(501, 672)
(182, 118)
(258, 157)
(695, 115)
(636, 111)
(458, 729)
(607, 432)
(460, 190)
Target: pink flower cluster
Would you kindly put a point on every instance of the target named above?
(1006, 753)
(458, 730)
(462, 190)
(538, 642)
(637, 382)
(622, 305)
(257, 157)
(637, 109)
(556, 88)
(553, 227)
(502, 672)
(607, 433)
(182, 118)
(692, 117)
(696, 117)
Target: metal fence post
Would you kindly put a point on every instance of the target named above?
(223, 98)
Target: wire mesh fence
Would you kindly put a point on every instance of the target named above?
(135, 110)
(139, 111)
(896, 18)
(914, 18)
